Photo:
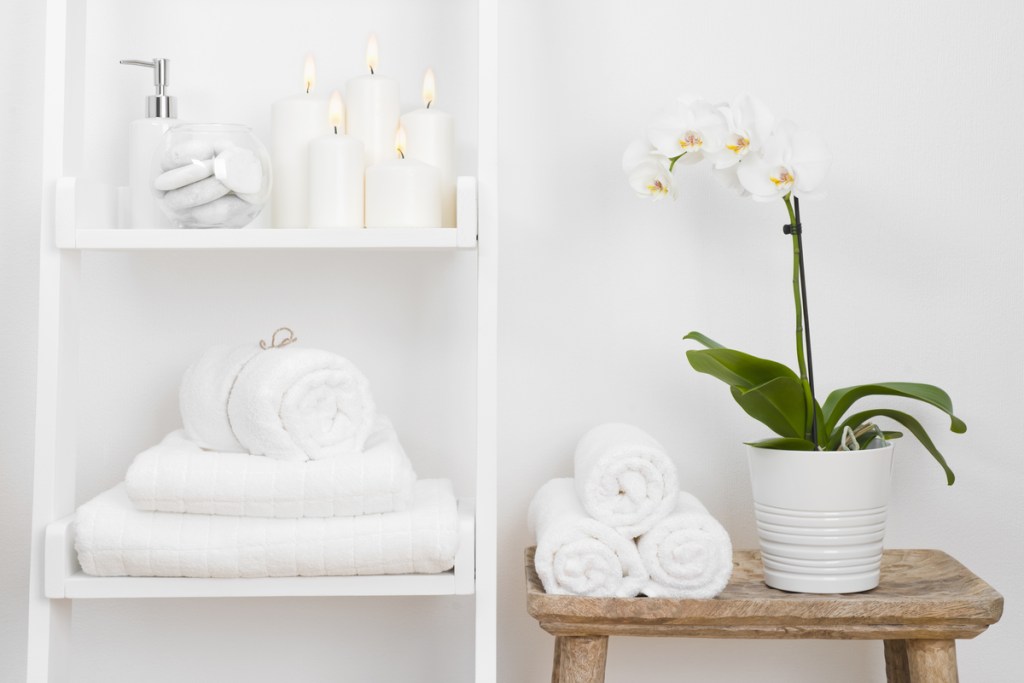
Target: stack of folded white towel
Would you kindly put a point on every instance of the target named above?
(621, 527)
(283, 468)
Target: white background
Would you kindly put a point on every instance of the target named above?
(916, 272)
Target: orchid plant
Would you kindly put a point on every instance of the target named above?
(767, 160)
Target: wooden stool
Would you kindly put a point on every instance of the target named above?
(926, 600)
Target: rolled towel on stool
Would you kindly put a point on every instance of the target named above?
(688, 554)
(577, 555)
(624, 478)
(283, 402)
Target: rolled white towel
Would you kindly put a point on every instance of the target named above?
(287, 403)
(624, 478)
(178, 476)
(577, 555)
(203, 396)
(688, 554)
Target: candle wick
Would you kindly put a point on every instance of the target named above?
(430, 102)
(371, 70)
(335, 130)
(401, 152)
(308, 86)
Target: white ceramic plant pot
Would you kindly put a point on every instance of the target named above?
(821, 517)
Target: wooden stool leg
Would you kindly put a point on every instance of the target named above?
(897, 669)
(932, 661)
(580, 659)
(558, 659)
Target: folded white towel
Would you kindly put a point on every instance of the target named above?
(577, 555)
(287, 403)
(178, 476)
(114, 539)
(688, 554)
(624, 478)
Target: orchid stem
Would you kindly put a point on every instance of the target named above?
(807, 321)
(803, 327)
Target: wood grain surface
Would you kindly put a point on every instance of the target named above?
(932, 661)
(897, 669)
(580, 660)
(923, 594)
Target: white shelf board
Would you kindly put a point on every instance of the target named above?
(83, 586)
(268, 238)
(88, 215)
(65, 579)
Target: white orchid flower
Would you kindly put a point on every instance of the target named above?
(688, 130)
(792, 160)
(647, 170)
(652, 179)
(728, 179)
(638, 152)
(749, 124)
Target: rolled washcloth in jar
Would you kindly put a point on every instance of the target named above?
(576, 554)
(624, 478)
(688, 554)
(283, 402)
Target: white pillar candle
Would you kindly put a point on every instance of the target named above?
(431, 139)
(373, 109)
(403, 193)
(295, 122)
(336, 175)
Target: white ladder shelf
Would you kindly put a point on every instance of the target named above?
(75, 220)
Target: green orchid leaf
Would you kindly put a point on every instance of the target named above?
(737, 369)
(889, 436)
(702, 339)
(778, 404)
(911, 424)
(783, 444)
(840, 400)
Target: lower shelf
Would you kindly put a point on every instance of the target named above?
(64, 577)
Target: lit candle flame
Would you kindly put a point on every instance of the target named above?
(371, 53)
(400, 141)
(336, 111)
(310, 73)
(429, 89)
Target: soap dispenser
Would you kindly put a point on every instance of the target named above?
(143, 138)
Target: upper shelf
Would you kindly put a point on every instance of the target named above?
(267, 238)
(88, 214)
(231, 61)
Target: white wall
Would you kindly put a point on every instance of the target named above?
(915, 272)
(922, 231)
(21, 92)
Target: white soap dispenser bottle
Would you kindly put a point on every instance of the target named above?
(143, 137)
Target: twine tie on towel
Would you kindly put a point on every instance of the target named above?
(287, 337)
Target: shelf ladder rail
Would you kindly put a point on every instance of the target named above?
(49, 620)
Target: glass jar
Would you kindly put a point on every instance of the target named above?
(211, 175)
